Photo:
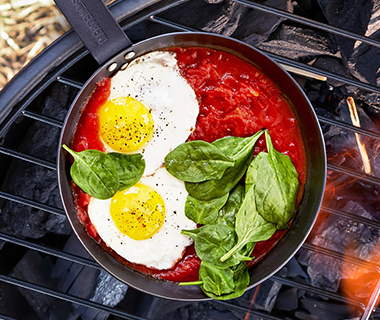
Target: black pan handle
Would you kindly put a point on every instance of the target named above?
(96, 27)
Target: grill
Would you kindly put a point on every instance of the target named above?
(26, 109)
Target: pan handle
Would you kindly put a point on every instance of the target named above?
(96, 27)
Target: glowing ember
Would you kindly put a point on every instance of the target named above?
(356, 122)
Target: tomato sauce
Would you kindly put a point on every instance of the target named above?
(235, 99)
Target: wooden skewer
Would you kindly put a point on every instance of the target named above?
(303, 72)
(356, 122)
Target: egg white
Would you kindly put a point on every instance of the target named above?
(154, 80)
(165, 247)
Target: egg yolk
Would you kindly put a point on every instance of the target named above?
(138, 212)
(126, 124)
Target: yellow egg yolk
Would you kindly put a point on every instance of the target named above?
(138, 212)
(126, 124)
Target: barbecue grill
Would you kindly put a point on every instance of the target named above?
(47, 270)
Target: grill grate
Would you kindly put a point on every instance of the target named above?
(12, 108)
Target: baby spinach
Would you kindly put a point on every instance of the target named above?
(236, 148)
(249, 226)
(227, 213)
(215, 241)
(240, 279)
(222, 284)
(251, 175)
(101, 174)
(217, 281)
(202, 211)
(224, 243)
(130, 168)
(197, 161)
(276, 186)
(94, 172)
(193, 233)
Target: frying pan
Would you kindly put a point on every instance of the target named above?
(112, 49)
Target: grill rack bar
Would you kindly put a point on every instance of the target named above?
(69, 298)
(27, 158)
(31, 203)
(291, 17)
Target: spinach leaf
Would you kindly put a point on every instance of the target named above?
(214, 241)
(202, 211)
(249, 226)
(217, 281)
(251, 175)
(193, 233)
(227, 213)
(197, 161)
(130, 168)
(222, 284)
(236, 148)
(277, 186)
(94, 172)
(240, 279)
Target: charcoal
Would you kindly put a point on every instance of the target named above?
(8, 295)
(86, 282)
(360, 17)
(37, 182)
(296, 43)
(305, 316)
(35, 269)
(228, 20)
(325, 310)
(214, 1)
(195, 13)
(268, 291)
(160, 309)
(109, 291)
(287, 300)
(257, 26)
(334, 65)
(345, 236)
(294, 269)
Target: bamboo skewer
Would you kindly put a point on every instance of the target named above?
(356, 122)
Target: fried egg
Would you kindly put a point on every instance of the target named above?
(143, 223)
(151, 110)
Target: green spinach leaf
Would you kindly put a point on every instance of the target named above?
(222, 284)
(239, 149)
(276, 189)
(249, 226)
(202, 211)
(217, 281)
(193, 233)
(213, 242)
(251, 175)
(197, 161)
(130, 168)
(241, 281)
(94, 172)
(227, 213)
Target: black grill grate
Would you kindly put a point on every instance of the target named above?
(16, 103)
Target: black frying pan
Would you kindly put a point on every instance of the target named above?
(112, 49)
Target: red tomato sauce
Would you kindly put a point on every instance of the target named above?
(235, 99)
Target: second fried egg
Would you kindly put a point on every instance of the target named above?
(143, 223)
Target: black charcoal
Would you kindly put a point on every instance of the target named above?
(344, 236)
(257, 26)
